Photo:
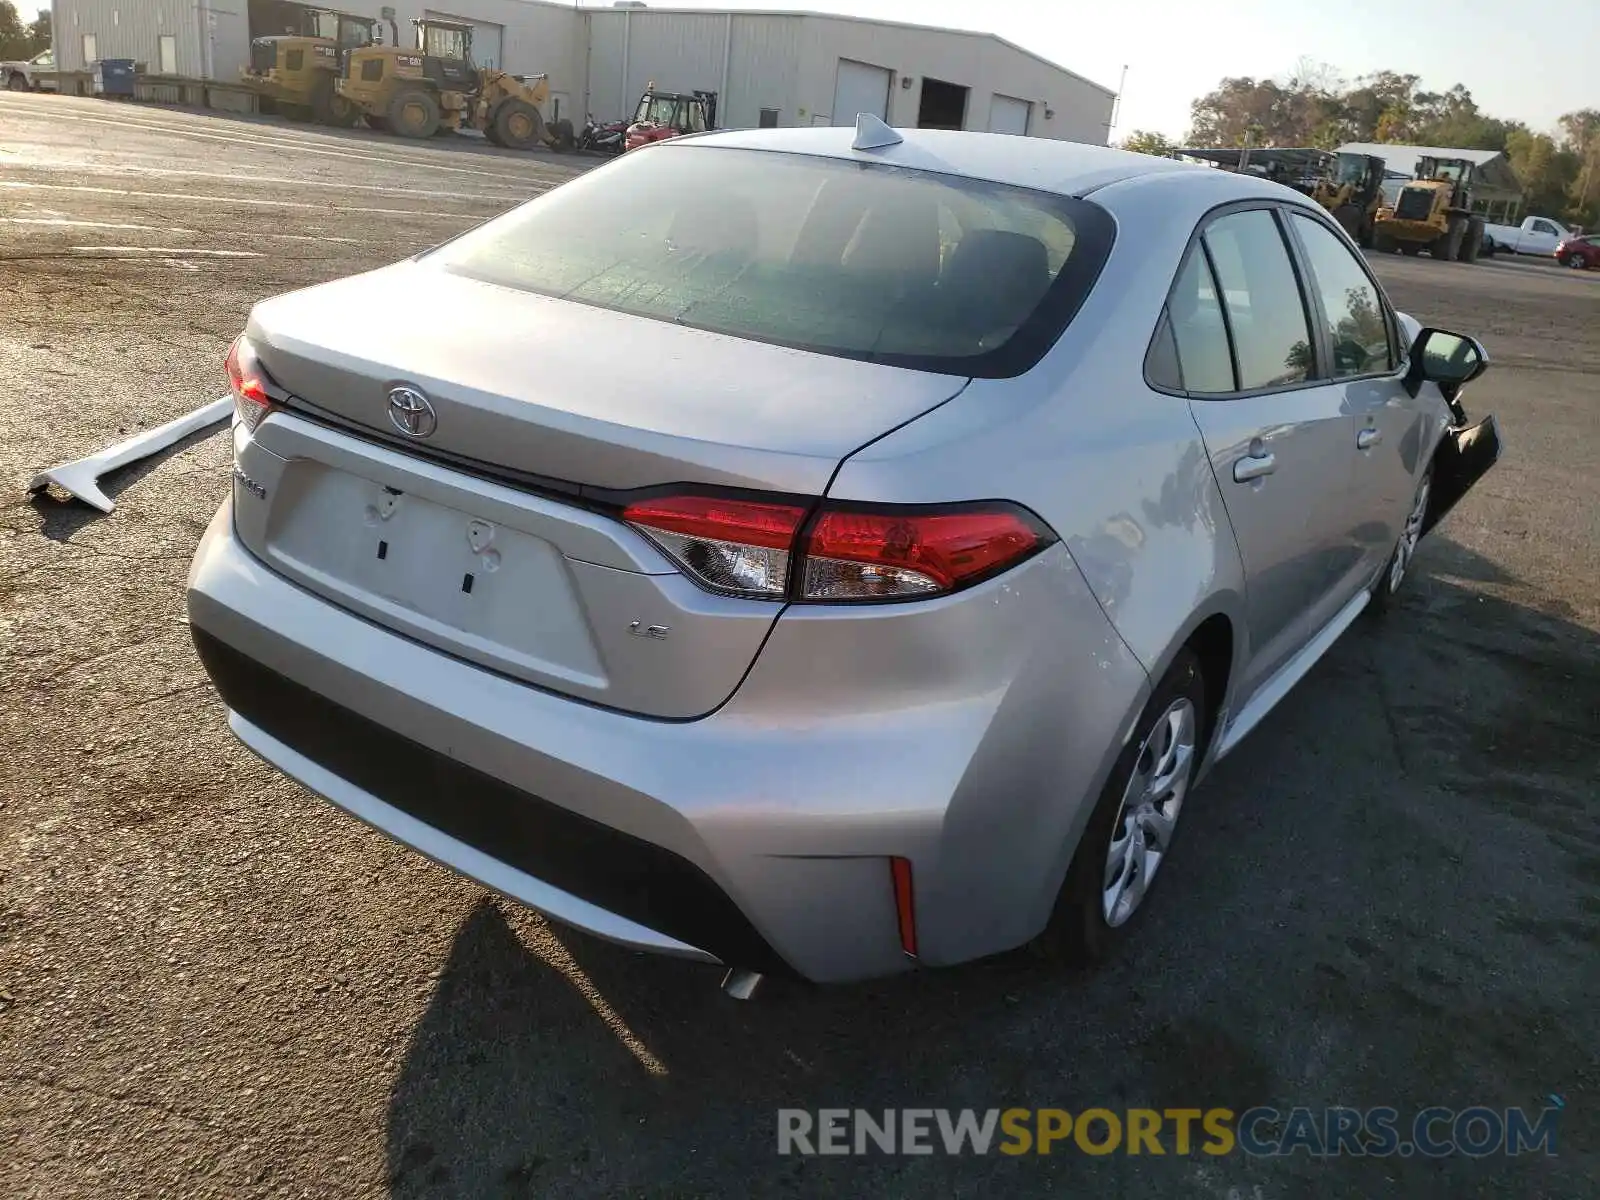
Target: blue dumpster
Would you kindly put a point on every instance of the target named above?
(113, 77)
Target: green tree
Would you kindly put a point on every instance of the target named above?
(39, 32)
(1581, 143)
(14, 41)
(1148, 141)
(1543, 168)
(1379, 103)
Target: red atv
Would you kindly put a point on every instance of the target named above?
(662, 115)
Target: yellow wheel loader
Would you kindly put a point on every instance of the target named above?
(435, 88)
(297, 73)
(1349, 186)
(1433, 212)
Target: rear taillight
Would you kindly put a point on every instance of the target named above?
(843, 554)
(248, 383)
(737, 547)
(874, 555)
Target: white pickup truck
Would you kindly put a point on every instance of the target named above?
(1536, 235)
(37, 74)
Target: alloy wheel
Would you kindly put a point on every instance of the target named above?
(1142, 832)
(1410, 535)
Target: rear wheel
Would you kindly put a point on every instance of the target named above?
(1411, 249)
(16, 82)
(1576, 261)
(518, 125)
(1131, 829)
(566, 136)
(378, 123)
(299, 113)
(1349, 216)
(1472, 240)
(414, 113)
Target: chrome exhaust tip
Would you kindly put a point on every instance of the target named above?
(739, 984)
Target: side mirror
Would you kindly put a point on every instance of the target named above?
(1451, 360)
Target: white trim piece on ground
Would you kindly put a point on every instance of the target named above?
(82, 477)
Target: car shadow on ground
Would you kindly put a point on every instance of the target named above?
(1325, 935)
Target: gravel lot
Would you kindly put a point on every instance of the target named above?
(212, 984)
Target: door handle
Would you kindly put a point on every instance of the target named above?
(1368, 438)
(1254, 467)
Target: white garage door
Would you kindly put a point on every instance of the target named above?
(1008, 115)
(487, 38)
(861, 89)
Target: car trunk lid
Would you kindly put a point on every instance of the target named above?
(441, 537)
(579, 394)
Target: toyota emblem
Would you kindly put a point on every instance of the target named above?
(411, 413)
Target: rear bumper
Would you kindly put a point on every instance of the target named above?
(758, 836)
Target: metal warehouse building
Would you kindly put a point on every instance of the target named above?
(768, 68)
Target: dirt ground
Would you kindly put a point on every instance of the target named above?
(213, 984)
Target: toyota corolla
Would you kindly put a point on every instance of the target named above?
(816, 550)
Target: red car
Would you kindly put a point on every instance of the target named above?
(1579, 251)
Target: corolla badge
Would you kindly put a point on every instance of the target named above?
(411, 412)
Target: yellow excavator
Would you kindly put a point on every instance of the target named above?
(435, 88)
(296, 73)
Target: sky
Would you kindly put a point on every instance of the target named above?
(1517, 63)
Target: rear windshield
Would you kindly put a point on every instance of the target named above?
(860, 260)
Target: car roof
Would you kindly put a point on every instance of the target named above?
(1068, 168)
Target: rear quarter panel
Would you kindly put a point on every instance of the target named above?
(1118, 470)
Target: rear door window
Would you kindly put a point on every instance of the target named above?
(863, 260)
(1266, 313)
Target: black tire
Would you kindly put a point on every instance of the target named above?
(1349, 216)
(17, 82)
(377, 123)
(413, 113)
(1410, 249)
(1387, 586)
(1079, 932)
(518, 124)
(330, 107)
(298, 113)
(1447, 246)
(1383, 243)
(1472, 240)
(566, 136)
(490, 136)
(1576, 261)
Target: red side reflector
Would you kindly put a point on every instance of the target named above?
(904, 904)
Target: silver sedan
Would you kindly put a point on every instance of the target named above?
(821, 551)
